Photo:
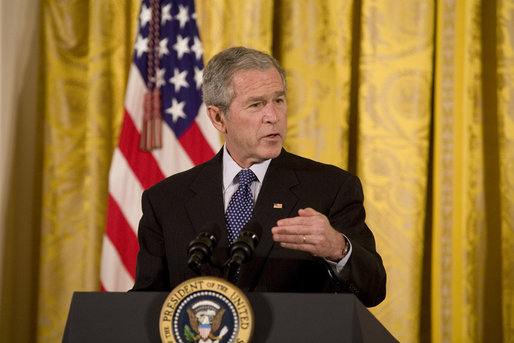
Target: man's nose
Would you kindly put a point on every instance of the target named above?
(270, 113)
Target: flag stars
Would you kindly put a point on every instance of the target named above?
(182, 16)
(179, 79)
(182, 79)
(166, 14)
(145, 15)
(141, 45)
(198, 77)
(163, 47)
(176, 110)
(181, 46)
(159, 82)
(197, 48)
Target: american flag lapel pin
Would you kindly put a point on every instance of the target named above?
(277, 205)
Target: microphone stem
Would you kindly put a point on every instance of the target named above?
(233, 266)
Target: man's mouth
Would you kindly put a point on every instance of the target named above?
(272, 135)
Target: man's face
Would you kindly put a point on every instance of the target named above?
(255, 124)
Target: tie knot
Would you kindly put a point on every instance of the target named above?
(246, 177)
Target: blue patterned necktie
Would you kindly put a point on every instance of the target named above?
(240, 207)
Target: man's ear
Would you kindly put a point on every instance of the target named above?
(217, 118)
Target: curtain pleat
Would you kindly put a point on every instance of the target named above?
(314, 46)
(86, 51)
(226, 23)
(466, 283)
(505, 141)
(395, 86)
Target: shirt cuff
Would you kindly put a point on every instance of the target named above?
(337, 267)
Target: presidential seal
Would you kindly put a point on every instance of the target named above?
(206, 310)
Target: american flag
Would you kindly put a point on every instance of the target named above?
(166, 77)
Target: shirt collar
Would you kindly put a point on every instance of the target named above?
(231, 168)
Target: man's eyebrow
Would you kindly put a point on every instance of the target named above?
(255, 98)
(261, 97)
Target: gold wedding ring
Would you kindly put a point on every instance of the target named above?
(304, 239)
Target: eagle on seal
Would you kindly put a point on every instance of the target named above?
(202, 326)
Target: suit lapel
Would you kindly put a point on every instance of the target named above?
(206, 205)
(275, 201)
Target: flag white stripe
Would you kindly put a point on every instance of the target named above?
(209, 132)
(126, 189)
(134, 99)
(173, 158)
(113, 277)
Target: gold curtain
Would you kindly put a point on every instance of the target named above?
(393, 143)
(503, 129)
(460, 241)
(472, 275)
(415, 97)
(86, 53)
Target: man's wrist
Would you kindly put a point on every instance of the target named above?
(342, 251)
(346, 248)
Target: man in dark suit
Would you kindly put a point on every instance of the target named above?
(314, 235)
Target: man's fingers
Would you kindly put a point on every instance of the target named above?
(306, 216)
(292, 221)
(290, 238)
(301, 247)
(307, 212)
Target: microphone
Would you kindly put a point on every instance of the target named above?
(241, 251)
(200, 249)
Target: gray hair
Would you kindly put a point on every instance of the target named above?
(218, 74)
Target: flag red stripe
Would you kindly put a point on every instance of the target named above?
(122, 236)
(142, 163)
(195, 144)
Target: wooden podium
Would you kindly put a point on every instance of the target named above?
(279, 317)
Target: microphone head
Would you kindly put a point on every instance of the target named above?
(211, 231)
(248, 240)
(200, 249)
(254, 230)
(241, 250)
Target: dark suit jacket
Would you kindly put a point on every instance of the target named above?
(177, 209)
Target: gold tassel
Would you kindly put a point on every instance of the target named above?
(156, 119)
(151, 135)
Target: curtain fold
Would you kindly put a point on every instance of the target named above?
(504, 29)
(226, 23)
(395, 86)
(313, 43)
(467, 259)
(414, 97)
(86, 51)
